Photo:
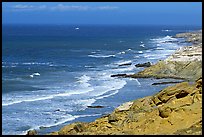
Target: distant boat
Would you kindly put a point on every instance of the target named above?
(167, 30)
(76, 28)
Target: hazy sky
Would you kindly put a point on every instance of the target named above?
(155, 13)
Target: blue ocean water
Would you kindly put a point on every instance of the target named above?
(51, 73)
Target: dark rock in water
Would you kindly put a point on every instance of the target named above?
(170, 41)
(42, 127)
(119, 75)
(167, 82)
(126, 64)
(57, 110)
(147, 64)
(32, 132)
(112, 118)
(95, 106)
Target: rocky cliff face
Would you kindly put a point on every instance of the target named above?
(174, 110)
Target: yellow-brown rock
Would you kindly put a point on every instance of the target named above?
(178, 111)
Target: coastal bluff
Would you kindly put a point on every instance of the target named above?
(185, 63)
(175, 110)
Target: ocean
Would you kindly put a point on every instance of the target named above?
(52, 73)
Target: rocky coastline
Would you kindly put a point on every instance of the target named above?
(175, 110)
(185, 63)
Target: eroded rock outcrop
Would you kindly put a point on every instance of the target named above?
(185, 63)
(146, 64)
(174, 110)
(32, 132)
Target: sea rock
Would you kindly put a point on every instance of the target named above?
(166, 82)
(146, 64)
(95, 106)
(125, 64)
(119, 75)
(32, 132)
(57, 110)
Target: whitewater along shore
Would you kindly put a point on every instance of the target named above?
(185, 63)
(176, 109)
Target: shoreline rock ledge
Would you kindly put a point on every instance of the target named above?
(185, 63)
(174, 110)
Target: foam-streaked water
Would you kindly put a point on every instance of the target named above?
(50, 74)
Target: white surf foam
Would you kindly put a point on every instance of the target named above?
(164, 39)
(134, 79)
(105, 96)
(84, 79)
(86, 66)
(84, 102)
(159, 48)
(35, 74)
(167, 30)
(129, 68)
(105, 86)
(36, 63)
(101, 56)
(66, 118)
(123, 62)
(142, 45)
(68, 93)
(121, 41)
(129, 49)
(122, 52)
(137, 81)
(28, 63)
